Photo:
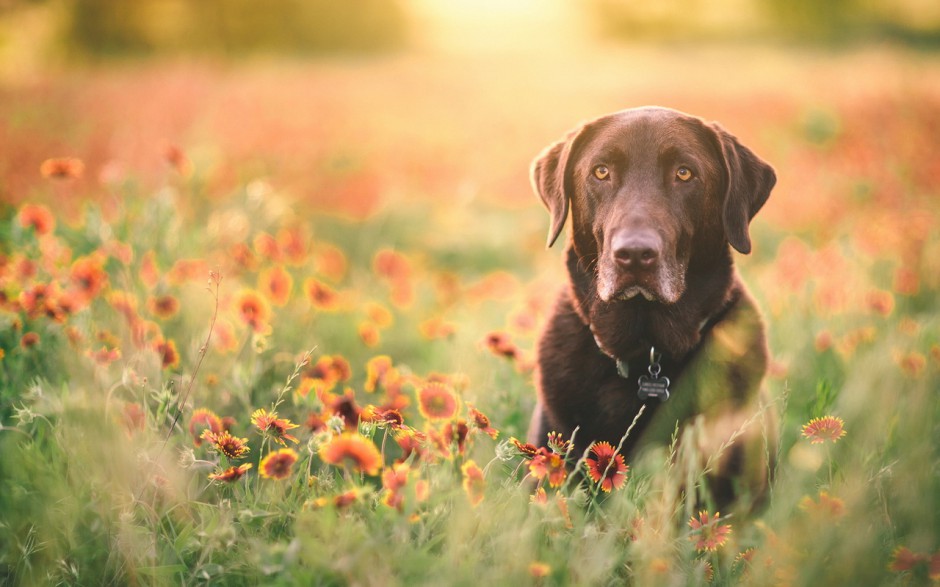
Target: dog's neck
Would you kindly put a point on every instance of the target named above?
(627, 329)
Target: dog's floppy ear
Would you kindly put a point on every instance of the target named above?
(749, 180)
(549, 179)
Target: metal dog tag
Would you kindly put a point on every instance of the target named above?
(653, 387)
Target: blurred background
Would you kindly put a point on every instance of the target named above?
(349, 106)
(317, 136)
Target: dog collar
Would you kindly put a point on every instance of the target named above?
(650, 386)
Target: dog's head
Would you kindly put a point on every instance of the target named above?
(649, 189)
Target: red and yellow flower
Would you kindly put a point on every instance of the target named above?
(37, 217)
(352, 451)
(166, 349)
(379, 371)
(273, 427)
(606, 466)
(203, 419)
(473, 482)
(707, 532)
(436, 402)
(276, 284)
(226, 444)
(62, 168)
(481, 422)
(252, 309)
(231, 474)
(322, 296)
(88, 276)
(819, 430)
(548, 464)
(278, 465)
(163, 306)
(826, 505)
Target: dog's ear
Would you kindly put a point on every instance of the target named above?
(549, 174)
(749, 180)
(548, 180)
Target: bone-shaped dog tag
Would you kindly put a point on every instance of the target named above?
(653, 387)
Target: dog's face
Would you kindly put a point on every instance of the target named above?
(647, 189)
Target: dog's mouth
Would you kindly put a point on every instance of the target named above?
(634, 291)
(665, 285)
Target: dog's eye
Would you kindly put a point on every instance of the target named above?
(683, 174)
(601, 172)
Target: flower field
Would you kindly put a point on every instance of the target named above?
(274, 323)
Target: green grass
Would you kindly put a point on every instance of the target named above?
(98, 487)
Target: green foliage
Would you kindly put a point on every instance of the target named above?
(113, 28)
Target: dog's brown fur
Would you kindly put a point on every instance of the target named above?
(650, 265)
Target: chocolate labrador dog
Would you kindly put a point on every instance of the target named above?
(654, 313)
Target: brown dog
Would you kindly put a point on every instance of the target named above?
(656, 197)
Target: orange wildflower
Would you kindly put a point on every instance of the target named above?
(29, 340)
(266, 246)
(455, 434)
(40, 299)
(270, 425)
(548, 464)
(88, 276)
(276, 283)
(394, 479)
(344, 406)
(411, 442)
(912, 363)
(391, 265)
(322, 296)
(379, 315)
(606, 467)
(819, 430)
(500, 344)
(539, 570)
(278, 465)
(903, 559)
(369, 334)
(473, 482)
(148, 273)
(169, 356)
(379, 370)
(201, 420)
(231, 474)
(481, 422)
(163, 306)
(243, 257)
(436, 328)
(133, 417)
(177, 158)
(323, 375)
(881, 302)
(292, 242)
(436, 402)
(184, 270)
(37, 217)
(525, 449)
(226, 444)
(832, 507)
(351, 450)
(224, 337)
(62, 168)
(330, 262)
(707, 533)
(252, 309)
(104, 356)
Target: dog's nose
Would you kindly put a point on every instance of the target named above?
(636, 251)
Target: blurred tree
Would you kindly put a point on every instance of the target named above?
(914, 22)
(232, 27)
